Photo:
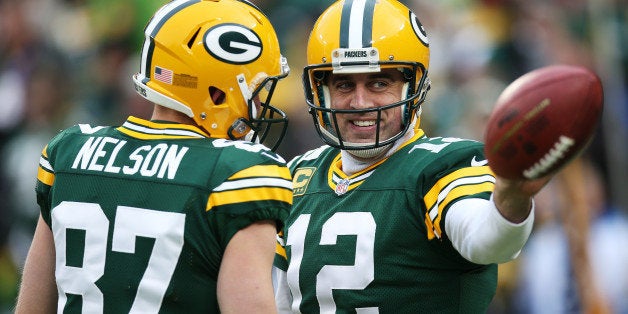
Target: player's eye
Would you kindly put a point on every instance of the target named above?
(379, 84)
(343, 85)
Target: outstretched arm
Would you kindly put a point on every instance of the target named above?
(494, 231)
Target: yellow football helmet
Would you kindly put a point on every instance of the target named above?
(217, 61)
(363, 36)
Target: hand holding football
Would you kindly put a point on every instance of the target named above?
(542, 120)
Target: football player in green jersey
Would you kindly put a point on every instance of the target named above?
(178, 214)
(386, 219)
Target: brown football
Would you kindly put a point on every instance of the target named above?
(542, 120)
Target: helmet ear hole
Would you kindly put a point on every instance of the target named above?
(217, 95)
(193, 39)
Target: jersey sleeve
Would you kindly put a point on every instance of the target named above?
(460, 172)
(482, 235)
(46, 174)
(258, 187)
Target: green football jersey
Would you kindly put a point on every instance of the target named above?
(374, 242)
(141, 214)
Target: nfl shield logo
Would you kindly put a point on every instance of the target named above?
(342, 187)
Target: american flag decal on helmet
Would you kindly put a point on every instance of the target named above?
(163, 75)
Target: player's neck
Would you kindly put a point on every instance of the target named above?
(352, 164)
(161, 113)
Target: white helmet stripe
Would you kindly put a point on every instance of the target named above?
(356, 24)
(154, 25)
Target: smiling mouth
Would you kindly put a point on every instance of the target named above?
(363, 123)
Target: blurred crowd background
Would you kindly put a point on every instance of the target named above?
(64, 62)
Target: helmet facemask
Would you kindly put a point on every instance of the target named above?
(363, 37)
(266, 124)
(325, 118)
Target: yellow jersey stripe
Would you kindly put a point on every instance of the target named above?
(249, 195)
(145, 136)
(45, 173)
(45, 176)
(148, 130)
(156, 125)
(263, 171)
(465, 181)
(432, 196)
(281, 251)
(456, 193)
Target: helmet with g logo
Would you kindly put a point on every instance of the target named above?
(218, 62)
(365, 36)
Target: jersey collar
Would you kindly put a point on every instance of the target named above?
(342, 183)
(159, 130)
